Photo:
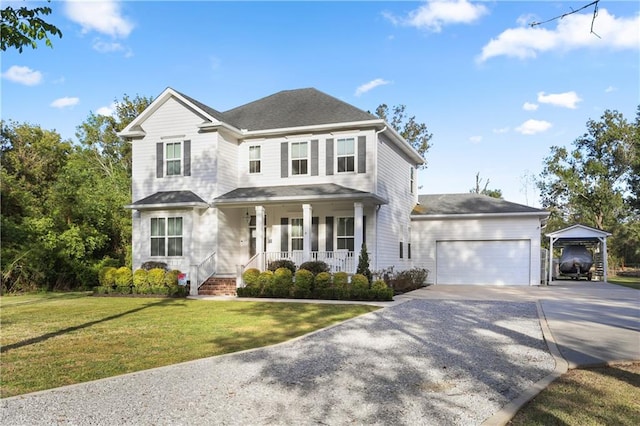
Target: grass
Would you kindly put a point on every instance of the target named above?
(631, 282)
(596, 396)
(51, 340)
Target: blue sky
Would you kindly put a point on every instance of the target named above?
(495, 92)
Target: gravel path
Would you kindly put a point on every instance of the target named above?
(418, 363)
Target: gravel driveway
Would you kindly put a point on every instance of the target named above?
(421, 362)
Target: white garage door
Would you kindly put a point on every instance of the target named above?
(483, 262)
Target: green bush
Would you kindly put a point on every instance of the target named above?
(123, 289)
(359, 287)
(323, 280)
(363, 263)
(106, 276)
(283, 282)
(265, 281)
(253, 291)
(101, 290)
(341, 280)
(155, 277)
(315, 266)
(123, 277)
(140, 279)
(282, 263)
(171, 278)
(303, 284)
(250, 277)
(380, 291)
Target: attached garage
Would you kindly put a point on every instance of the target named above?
(483, 262)
(472, 239)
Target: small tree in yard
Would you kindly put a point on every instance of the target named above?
(363, 263)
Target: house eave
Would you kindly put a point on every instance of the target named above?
(167, 206)
(315, 128)
(243, 202)
(540, 215)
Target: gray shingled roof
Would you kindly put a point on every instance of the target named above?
(169, 197)
(294, 108)
(460, 204)
(294, 192)
(213, 112)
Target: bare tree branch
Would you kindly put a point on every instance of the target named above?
(595, 14)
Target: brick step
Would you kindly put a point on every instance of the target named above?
(217, 286)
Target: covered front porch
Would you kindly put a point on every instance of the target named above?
(326, 223)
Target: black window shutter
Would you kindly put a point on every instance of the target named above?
(362, 154)
(314, 157)
(284, 159)
(329, 233)
(329, 157)
(408, 250)
(314, 233)
(187, 157)
(284, 234)
(400, 249)
(159, 159)
(364, 230)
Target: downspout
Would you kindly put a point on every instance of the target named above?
(375, 184)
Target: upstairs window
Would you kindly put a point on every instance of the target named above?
(166, 236)
(173, 158)
(345, 234)
(346, 155)
(255, 159)
(299, 158)
(412, 180)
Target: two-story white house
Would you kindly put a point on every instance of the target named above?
(296, 175)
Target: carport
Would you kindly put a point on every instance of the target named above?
(580, 235)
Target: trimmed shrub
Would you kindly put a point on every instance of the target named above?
(101, 290)
(140, 279)
(283, 282)
(123, 289)
(323, 280)
(303, 284)
(123, 277)
(315, 266)
(380, 291)
(341, 280)
(154, 265)
(265, 281)
(250, 277)
(249, 291)
(359, 288)
(282, 263)
(409, 280)
(106, 276)
(156, 277)
(363, 263)
(171, 278)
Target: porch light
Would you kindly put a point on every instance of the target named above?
(247, 217)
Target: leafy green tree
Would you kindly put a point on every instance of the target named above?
(633, 197)
(494, 193)
(588, 184)
(413, 132)
(24, 26)
(363, 263)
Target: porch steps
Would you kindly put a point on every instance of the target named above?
(218, 286)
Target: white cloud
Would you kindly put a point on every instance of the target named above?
(528, 106)
(23, 75)
(104, 17)
(435, 14)
(371, 85)
(65, 102)
(475, 139)
(109, 110)
(610, 89)
(531, 127)
(501, 130)
(566, 99)
(109, 47)
(572, 32)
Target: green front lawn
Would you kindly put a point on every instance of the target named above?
(51, 340)
(631, 282)
(597, 396)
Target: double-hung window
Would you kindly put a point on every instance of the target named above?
(345, 234)
(166, 236)
(346, 155)
(412, 180)
(299, 158)
(297, 236)
(254, 159)
(173, 158)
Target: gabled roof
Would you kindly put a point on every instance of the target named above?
(297, 193)
(294, 108)
(578, 231)
(169, 199)
(469, 204)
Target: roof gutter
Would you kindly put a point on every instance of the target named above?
(542, 215)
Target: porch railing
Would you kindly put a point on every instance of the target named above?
(201, 272)
(337, 260)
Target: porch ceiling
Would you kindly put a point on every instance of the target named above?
(295, 193)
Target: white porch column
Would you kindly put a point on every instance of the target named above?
(358, 238)
(605, 265)
(551, 241)
(260, 235)
(306, 231)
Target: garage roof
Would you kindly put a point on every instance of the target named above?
(470, 204)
